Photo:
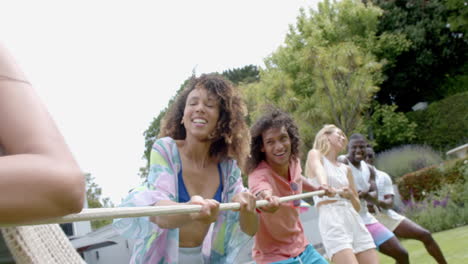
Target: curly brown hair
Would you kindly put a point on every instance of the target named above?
(231, 136)
(273, 118)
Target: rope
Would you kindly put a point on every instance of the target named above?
(40, 244)
(126, 212)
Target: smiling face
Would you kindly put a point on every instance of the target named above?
(201, 113)
(337, 140)
(357, 150)
(277, 147)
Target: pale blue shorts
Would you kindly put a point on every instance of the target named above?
(309, 256)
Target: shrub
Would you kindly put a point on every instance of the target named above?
(444, 209)
(437, 217)
(401, 160)
(443, 125)
(390, 128)
(418, 184)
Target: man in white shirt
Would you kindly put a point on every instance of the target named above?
(364, 178)
(398, 224)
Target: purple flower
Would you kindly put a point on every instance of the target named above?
(444, 202)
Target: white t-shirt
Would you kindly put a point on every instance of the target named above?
(384, 184)
(361, 180)
(385, 187)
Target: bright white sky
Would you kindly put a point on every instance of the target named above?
(106, 68)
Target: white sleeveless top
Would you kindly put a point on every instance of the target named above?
(336, 178)
(361, 180)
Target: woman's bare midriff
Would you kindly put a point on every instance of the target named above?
(326, 202)
(193, 234)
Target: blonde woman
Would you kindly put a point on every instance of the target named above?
(344, 235)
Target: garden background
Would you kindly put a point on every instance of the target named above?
(395, 71)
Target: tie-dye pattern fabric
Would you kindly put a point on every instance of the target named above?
(157, 245)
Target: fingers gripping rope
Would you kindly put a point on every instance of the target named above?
(126, 212)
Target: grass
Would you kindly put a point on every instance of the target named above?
(453, 243)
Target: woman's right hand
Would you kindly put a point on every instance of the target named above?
(329, 191)
(209, 212)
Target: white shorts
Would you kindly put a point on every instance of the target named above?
(341, 228)
(389, 221)
(191, 255)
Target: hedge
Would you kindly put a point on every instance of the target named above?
(444, 124)
(430, 179)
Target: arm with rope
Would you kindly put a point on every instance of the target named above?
(315, 171)
(128, 212)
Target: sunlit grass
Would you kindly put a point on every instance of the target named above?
(453, 243)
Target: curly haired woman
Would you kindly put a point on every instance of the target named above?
(194, 162)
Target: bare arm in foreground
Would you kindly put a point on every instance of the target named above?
(39, 177)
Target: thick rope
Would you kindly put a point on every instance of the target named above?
(126, 212)
(40, 244)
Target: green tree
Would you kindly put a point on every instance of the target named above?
(346, 79)
(390, 128)
(437, 53)
(244, 78)
(246, 74)
(458, 16)
(457, 81)
(271, 89)
(326, 71)
(94, 199)
(152, 132)
(443, 125)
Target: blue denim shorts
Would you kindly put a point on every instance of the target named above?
(308, 256)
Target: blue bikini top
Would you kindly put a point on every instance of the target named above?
(184, 195)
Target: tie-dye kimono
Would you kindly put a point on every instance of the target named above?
(157, 245)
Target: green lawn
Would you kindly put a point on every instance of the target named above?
(453, 243)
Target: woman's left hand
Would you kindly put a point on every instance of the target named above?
(246, 200)
(248, 216)
(346, 193)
